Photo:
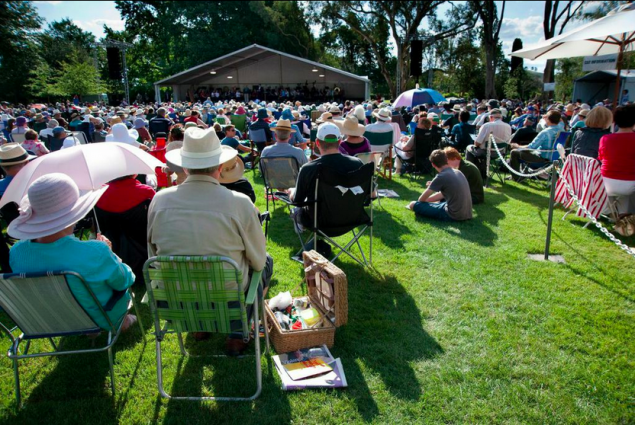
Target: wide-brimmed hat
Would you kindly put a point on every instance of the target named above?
(262, 113)
(384, 114)
(13, 154)
(139, 123)
(232, 170)
(201, 149)
(283, 125)
(325, 117)
(352, 127)
(52, 123)
(121, 134)
(335, 110)
(53, 203)
(456, 108)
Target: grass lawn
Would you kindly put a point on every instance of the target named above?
(453, 325)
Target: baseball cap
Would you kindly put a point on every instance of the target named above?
(328, 129)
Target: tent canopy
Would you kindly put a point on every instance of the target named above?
(259, 65)
(599, 85)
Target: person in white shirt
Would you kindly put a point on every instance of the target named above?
(48, 131)
(501, 131)
(484, 118)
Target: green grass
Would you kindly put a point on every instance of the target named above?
(453, 325)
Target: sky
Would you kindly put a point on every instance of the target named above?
(522, 19)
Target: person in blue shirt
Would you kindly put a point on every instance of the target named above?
(231, 141)
(540, 149)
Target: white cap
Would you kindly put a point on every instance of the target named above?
(328, 129)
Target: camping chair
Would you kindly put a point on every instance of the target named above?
(239, 121)
(279, 173)
(43, 306)
(87, 129)
(528, 167)
(336, 213)
(79, 135)
(18, 138)
(257, 142)
(315, 114)
(382, 142)
(195, 296)
(419, 163)
(496, 166)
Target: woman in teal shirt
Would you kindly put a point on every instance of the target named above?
(45, 226)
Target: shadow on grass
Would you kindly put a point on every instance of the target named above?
(479, 229)
(384, 337)
(222, 377)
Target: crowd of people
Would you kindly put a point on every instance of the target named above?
(209, 144)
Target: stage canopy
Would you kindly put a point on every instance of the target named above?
(600, 85)
(257, 65)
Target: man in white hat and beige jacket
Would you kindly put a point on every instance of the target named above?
(201, 217)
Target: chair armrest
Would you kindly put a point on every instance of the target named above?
(253, 287)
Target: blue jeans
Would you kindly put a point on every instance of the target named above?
(434, 210)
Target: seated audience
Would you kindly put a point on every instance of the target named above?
(33, 145)
(144, 134)
(405, 151)
(496, 127)
(586, 140)
(355, 142)
(447, 197)
(617, 154)
(282, 148)
(13, 158)
(540, 149)
(45, 226)
(232, 141)
(461, 132)
(526, 134)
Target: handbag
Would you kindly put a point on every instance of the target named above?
(625, 226)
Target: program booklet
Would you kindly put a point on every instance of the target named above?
(288, 369)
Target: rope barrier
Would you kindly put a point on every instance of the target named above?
(597, 224)
(500, 155)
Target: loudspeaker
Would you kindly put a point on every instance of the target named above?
(114, 63)
(416, 56)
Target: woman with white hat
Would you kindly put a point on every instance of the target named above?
(355, 142)
(121, 134)
(48, 215)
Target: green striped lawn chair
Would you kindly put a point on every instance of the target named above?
(43, 306)
(239, 121)
(193, 294)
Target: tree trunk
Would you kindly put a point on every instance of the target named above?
(490, 62)
(548, 76)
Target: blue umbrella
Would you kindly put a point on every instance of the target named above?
(416, 97)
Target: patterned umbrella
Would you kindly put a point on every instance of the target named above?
(417, 97)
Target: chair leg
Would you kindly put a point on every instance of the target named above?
(16, 374)
(258, 365)
(160, 371)
(28, 345)
(111, 361)
(181, 345)
(264, 325)
(136, 310)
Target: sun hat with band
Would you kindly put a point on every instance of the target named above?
(352, 127)
(121, 134)
(201, 149)
(283, 125)
(329, 133)
(13, 154)
(384, 114)
(53, 203)
(325, 117)
(232, 170)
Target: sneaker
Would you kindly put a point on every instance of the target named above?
(128, 321)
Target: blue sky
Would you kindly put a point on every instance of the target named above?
(522, 19)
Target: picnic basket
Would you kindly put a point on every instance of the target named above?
(327, 289)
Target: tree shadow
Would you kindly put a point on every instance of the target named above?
(227, 377)
(384, 336)
(479, 230)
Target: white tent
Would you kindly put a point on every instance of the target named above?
(599, 85)
(258, 65)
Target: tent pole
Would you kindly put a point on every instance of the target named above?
(618, 82)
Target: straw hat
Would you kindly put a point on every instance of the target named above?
(53, 203)
(283, 125)
(232, 170)
(384, 114)
(13, 154)
(325, 117)
(201, 149)
(352, 127)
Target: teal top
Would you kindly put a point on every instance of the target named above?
(93, 260)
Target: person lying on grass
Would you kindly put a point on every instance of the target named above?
(447, 197)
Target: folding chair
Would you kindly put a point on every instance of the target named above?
(279, 173)
(79, 135)
(382, 142)
(554, 155)
(43, 306)
(18, 138)
(339, 207)
(419, 164)
(194, 294)
(239, 121)
(496, 166)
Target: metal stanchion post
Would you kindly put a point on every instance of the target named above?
(554, 178)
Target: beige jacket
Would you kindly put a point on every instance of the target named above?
(201, 217)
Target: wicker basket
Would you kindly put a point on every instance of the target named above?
(328, 292)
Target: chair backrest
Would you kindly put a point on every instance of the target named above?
(315, 114)
(379, 139)
(87, 129)
(158, 126)
(338, 213)
(277, 115)
(239, 121)
(367, 157)
(257, 135)
(79, 135)
(18, 138)
(192, 293)
(220, 120)
(280, 172)
(42, 304)
(307, 122)
(561, 139)
(411, 127)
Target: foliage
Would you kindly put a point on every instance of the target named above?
(461, 65)
(568, 70)
(77, 77)
(63, 40)
(41, 82)
(487, 11)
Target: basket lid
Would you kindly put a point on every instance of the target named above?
(327, 286)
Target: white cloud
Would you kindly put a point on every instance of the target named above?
(528, 28)
(96, 25)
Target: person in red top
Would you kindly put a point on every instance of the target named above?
(124, 193)
(196, 119)
(617, 155)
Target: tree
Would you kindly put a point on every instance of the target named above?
(568, 70)
(62, 40)
(375, 21)
(19, 22)
(41, 81)
(517, 62)
(551, 19)
(77, 78)
(488, 14)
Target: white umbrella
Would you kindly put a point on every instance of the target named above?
(90, 166)
(612, 34)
